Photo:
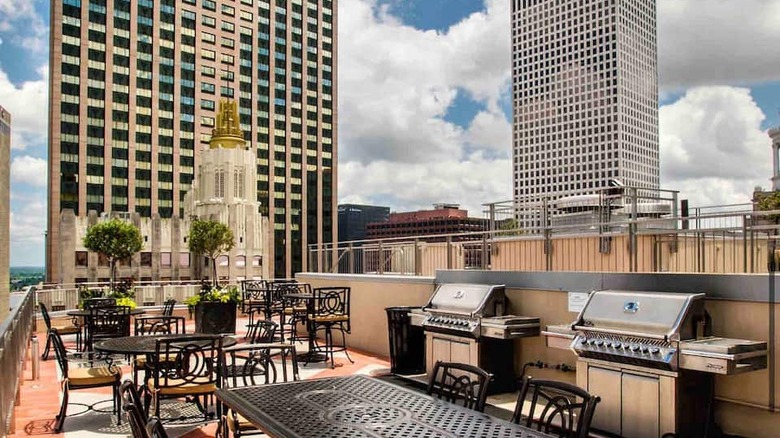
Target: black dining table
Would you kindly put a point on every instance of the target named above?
(84, 313)
(360, 406)
(146, 344)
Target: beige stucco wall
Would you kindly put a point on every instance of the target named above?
(735, 319)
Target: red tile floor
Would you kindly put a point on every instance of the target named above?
(40, 399)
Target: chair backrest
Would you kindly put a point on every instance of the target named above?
(276, 290)
(155, 428)
(132, 405)
(256, 364)
(46, 317)
(160, 325)
(168, 306)
(332, 301)
(196, 361)
(59, 351)
(556, 408)
(91, 303)
(261, 331)
(460, 383)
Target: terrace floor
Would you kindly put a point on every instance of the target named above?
(40, 399)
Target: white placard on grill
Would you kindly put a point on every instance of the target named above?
(577, 301)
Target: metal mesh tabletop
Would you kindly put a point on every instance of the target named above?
(360, 406)
(145, 344)
(85, 313)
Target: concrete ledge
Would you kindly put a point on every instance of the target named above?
(368, 278)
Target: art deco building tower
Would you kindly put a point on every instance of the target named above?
(585, 87)
(133, 93)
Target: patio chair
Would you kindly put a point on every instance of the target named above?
(62, 330)
(250, 365)
(331, 312)
(192, 370)
(91, 303)
(252, 294)
(261, 331)
(82, 378)
(107, 322)
(155, 428)
(460, 383)
(155, 325)
(168, 307)
(555, 408)
(295, 310)
(133, 407)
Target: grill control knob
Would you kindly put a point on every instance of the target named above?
(655, 350)
(583, 342)
(617, 345)
(635, 348)
(599, 343)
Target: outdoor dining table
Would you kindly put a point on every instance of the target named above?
(360, 406)
(312, 355)
(83, 314)
(146, 344)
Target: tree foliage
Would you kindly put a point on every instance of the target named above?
(115, 240)
(211, 239)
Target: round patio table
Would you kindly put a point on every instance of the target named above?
(138, 345)
(85, 313)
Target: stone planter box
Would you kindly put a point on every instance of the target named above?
(215, 318)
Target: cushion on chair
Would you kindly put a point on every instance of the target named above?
(240, 423)
(329, 318)
(93, 376)
(294, 309)
(140, 361)
(67, 330)
(178, 386)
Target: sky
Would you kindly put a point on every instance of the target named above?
(425, 104)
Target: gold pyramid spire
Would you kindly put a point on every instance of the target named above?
(227, 133)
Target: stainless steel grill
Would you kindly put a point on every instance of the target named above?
(475, 310)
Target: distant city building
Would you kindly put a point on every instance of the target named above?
(134, 88)
(353, 219)
(443, 219)
(585, 87)
(774, 134)
(5, 209)
(221, 191)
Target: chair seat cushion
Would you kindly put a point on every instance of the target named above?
(179, 386)
(239, 422)
(141, 361)
(329, 318)
(67, 330)
(294, 309)
(93, 376)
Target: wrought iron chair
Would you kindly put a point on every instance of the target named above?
(252, 294)
(460, 383)
(295, 310)
(191, 369)
(82, 378)
(274, 300)
(331, 312)
(106, 323)
(62, 330)
(168, 307)
(155, 428)
(91, 303)
(261, 331)
(133, 407)
(556, 408)
(250, 365)
(155, 325)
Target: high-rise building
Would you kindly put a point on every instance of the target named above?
(353, 219)
(585, 87)
(5, 209)
(134, 87)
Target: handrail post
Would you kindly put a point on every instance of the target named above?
(417, 257)
(381, 258)
(351, 258)
(449, 252)
(485, 253)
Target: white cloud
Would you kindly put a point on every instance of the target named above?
(29, 29)
(717, 42)
(28, 223)
(396, 85)
(29, 170)
(712, 147)
(29, 106)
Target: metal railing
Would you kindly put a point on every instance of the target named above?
(710, 242)
(15, 334)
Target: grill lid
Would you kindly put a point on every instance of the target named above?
(654, 314)
(468, 299)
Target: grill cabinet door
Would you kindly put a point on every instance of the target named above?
(606, 384)
(640, 406)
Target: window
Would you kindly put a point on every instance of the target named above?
(227, 26)
(184, 259)
(165, 259)
(208, 37)
(208, 71)
(102, 260)
(207, 104)
(223, 260)
(208, 54)
(209, 21)
(240, 261)
(146, 259)
(210, 5)
(207, 88)
(257, 261)
(81, 258)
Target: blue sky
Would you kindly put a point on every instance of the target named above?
(424, 99)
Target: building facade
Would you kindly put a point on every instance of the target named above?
(774, 135)
(220, 191)
(134, 87)
(353, 219)
(5, 210)
(443, 219)
(585, 93)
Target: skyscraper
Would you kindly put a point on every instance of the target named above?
(585, 93)
(133, 93)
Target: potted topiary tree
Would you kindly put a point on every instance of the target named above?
(214, 307)
(115, 240)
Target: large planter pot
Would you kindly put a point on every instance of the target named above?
(215, 318)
